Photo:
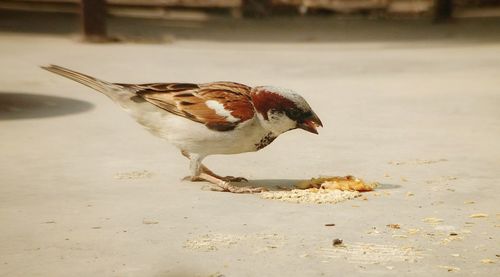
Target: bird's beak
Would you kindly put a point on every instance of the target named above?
(310, 124)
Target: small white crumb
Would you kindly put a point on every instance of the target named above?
(144, 174)
(487, 261)
(432, 220)
(147, 221)
(317, 196)
(450, 268)
(479, 215)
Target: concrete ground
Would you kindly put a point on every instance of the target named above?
(84, 191)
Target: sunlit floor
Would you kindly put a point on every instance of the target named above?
(84, 191)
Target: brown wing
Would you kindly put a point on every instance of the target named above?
(219, 105)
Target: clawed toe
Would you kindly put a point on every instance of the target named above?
(234, 179)
(228, 187)
(224, 184)
(193, 179)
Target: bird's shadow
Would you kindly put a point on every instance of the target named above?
(17, 105)
(289, 184)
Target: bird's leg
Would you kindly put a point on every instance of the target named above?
(205, 169)
(198, 174)
(194, 167)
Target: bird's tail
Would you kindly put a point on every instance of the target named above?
(109, 89)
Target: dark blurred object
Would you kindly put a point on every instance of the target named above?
(359, 7)
(443, 10)
(93, 17)
(257, 8)
(93, 11)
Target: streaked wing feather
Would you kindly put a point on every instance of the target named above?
(190, 101)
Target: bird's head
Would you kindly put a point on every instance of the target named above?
(281, 110)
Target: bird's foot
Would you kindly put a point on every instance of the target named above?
(234, 179)
(193, 179)
(228, 187)
(226, 178)
(223, 185)
(207, 171)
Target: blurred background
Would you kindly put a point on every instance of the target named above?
(299, 20)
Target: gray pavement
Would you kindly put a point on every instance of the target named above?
(84, 191)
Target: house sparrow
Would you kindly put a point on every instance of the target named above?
(210, 118)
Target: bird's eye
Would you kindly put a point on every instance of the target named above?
(307, 115)
(294, 114)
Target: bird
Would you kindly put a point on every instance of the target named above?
(208, 118)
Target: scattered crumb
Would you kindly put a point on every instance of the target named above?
(450, 268)
(212, 242)
(417, 162)
(96, 227)
(394, 226)
(403, 179)
(413, 231)
(446, 228)
(133, 175)
(369, 253)
(479, 215)
(216, 274)
(146, 221)
(389, 267)
(400, 236)
(469, 202)
(442, 179)
(323, 190)
(449, 239)
(349, 183)
(373, 231)
(337, 242)
(317, 196)
(455, 255)
(386, 175)
(49, 222)
(487, 261)
(432, 220)
(409, 194)
(330, 224)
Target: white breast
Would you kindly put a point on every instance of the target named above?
(195, 137)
